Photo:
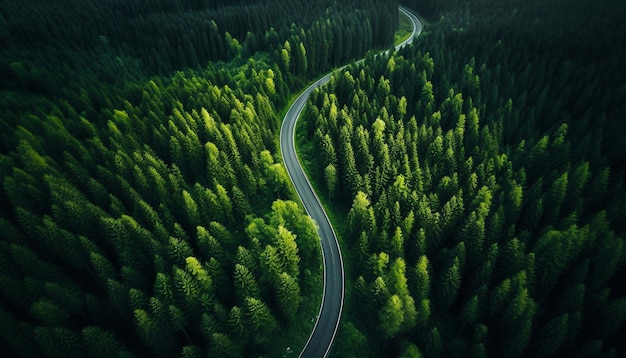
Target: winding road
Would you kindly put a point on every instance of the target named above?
(323, 335)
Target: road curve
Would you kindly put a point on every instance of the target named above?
(323, 335)
(417, 27)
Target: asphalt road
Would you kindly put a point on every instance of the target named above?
(417, 27)
(325, 329)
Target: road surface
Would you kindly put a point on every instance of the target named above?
(323, 335)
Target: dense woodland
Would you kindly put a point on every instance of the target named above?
(478, 178)
(144, 208)
(49, 39)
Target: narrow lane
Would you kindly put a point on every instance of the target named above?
(321, 339)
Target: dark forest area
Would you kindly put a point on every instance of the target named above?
(475, 177)
(479, 175)
(123, 39)
(145, 210)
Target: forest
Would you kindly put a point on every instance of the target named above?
(145, 210)
(475, 178)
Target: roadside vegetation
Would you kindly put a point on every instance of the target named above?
(475, 178)
(481, 185)
(405, 29)
(144, 208)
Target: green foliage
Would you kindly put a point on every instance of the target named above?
(485, 168)
(330, 176)
(261, 322)
(482, 182)
(139, 211)
(288, 295)
(100, 343)
(48, 314)
(245, 283)
(58, 342)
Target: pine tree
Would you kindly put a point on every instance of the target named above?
(59, 342)
(397, 243)
(191, 209)
(391, 317)
(163, 288)
(236, 323)
(49, 314)
(101, 343)
(449, 286)
(259, 319)
(241, 204)
(102, 268)
(245, 283)
(361, 215)
(223, 346)
(191, 352)
(348, 163)
(187, 292)
(330, 177)
(422, 278)
(433, 346)
(411, 351)
(178, 250)
(287, 250)
(288, 295)
(209, 246)
(551, 336)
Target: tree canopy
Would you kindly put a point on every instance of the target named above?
(484, 211)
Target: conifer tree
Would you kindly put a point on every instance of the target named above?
(361, 215)
(58, 342)
(330, 177)
(288, 295)
(259, 319)
(245, 283)
(101, 343)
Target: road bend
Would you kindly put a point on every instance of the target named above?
(321, 339)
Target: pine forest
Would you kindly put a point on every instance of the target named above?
(474, 178)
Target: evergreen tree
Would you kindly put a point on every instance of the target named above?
(260, 319)
(288, 294)
(245, 283)
(330, 177)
